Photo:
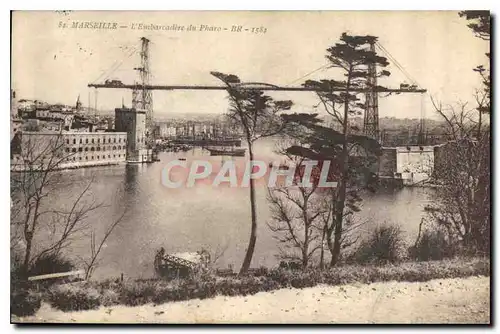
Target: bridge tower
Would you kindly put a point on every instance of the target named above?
(142, 98)
(370, 124)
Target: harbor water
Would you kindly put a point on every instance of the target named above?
(188, 219)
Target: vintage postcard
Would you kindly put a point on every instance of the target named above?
(250, 167)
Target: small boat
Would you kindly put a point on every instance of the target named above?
(238, 152)
(280, 167)
(182, 159)
(178, 265)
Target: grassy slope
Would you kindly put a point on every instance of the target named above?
(91, 295)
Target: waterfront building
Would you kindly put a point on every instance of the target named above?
(67, 149)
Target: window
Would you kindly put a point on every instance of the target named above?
(67, 149)
(114, 140)
(86, 149)
(80, 158)
(98, 148)
(86, 140)
(109, 156)
(119, 140)
(80, 140)
(92, 149)
(92, 140)
(98, 140)
(74, 141)
(80, 149)
(114, 147)
(109, 140)
(119, 147)
(67, 141)
(73, 158)
(92, 157)
(73, 150)
(86, 158)
(97, 157)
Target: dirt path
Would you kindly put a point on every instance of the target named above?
(439, 301)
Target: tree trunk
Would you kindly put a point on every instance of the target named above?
(322, 254)
(329, 241)
(340, 203)
(337, 238)
(27, 255)
(253, 233)
(305, 248)
(304, 257)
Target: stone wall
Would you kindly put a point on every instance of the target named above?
(415, 159)
(411, 164)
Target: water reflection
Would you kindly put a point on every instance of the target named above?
(131, 172)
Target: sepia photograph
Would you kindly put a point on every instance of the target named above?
(250, 167)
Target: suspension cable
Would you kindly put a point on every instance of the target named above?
(412, 80)
(323, 67)
(120, 64)
(397, 64)
(112, 69)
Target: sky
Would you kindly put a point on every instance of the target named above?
(55, 64)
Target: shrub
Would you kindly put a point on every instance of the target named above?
(261, 271)
(109, 297)
(24, 302)
(250, 285)
(49, 264)
(432, 245)
(384, 245)
(71, 297)
(142, 292)
(139, 293)
(305, 279)
(200, 287)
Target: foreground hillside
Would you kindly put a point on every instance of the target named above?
(457, 300)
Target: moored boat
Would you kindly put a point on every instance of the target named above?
(238, 152)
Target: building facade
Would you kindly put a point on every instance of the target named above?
(60, 150)
(133, 122)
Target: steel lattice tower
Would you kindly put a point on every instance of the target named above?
(370, 125)
(142, 98)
